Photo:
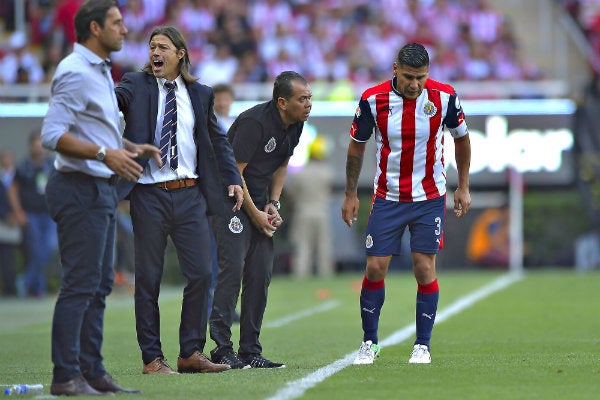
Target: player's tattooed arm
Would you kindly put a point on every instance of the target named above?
(354, 161)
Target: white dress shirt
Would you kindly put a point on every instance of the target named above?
(186, 148)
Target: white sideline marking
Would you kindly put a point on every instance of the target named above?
(295, 389)
(278, 323)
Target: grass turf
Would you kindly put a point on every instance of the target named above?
(537, 339)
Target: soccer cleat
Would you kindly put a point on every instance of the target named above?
(227, 356)
(258, 361)
(367, 353)
(420, 355)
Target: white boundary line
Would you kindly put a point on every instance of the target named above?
(278, 323)
(295, 389)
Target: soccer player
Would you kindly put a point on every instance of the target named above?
(408, 115)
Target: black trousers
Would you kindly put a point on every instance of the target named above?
(180, 214)
(245, 260)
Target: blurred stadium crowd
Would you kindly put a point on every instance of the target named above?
(587, 15)
(254, 40)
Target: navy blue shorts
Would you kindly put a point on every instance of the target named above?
(389, 219)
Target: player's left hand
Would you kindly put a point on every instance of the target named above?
(274, 217)
(462, 202)
(276, 221)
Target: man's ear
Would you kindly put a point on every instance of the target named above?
(95, 28)
(282, 103)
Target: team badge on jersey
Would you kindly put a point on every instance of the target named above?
(369, 242)
(429, 109)
(235, 225)
(357, 113)
(270, 146)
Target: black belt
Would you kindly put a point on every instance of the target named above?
(112, 180)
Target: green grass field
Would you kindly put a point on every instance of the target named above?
(536, 338)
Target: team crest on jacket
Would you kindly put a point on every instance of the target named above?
(357, 113)
(235, 225)
(270, 146)
(429, 109)
(369, 242)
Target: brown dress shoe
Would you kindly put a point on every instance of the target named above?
(75, 387)
(158, 366)
(107, 384)
(198, 362)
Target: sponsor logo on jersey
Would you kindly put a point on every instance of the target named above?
(271, 144)
(369, 242)
(235, 225)
(429, 109)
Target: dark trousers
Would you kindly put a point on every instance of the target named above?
(84, 209)
(7, 269)
(215, 269)
(246, 260)
(180, 214)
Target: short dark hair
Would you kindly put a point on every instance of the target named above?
(283, 84)
(179, 42)
(223, 88)
(414, 55)
(91, 10)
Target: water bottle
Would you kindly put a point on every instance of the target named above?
(24, 389)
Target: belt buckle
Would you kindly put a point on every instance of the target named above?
(113, 179)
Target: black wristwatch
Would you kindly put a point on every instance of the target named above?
(276, 204)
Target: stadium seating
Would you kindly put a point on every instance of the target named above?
(351, 42)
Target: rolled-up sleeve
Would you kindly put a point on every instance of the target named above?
(66, 101)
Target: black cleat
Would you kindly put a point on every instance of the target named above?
(258, 361)
(227, 356)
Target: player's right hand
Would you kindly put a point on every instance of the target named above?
(350, 208)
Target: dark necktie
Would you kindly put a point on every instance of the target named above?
(168, 138)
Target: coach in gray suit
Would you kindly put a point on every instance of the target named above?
(164, 105)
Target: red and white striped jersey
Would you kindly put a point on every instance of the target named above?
(410, 138)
